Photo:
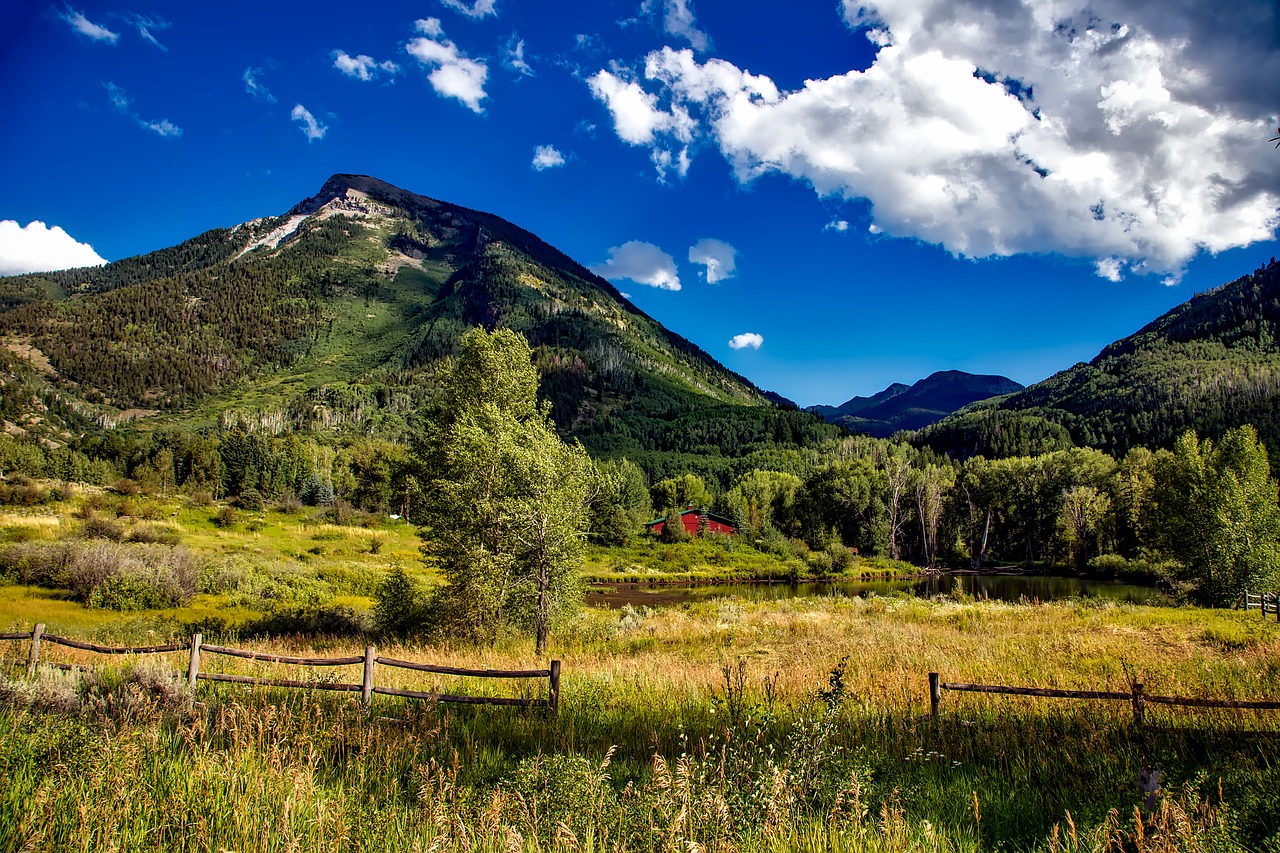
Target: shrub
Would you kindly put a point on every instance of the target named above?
(251, 500)
(158, 534)
(100, 527)
(124, 592)
(288, 503)
(125, 487)
(398, 611)
(202, 497)
(225, 517)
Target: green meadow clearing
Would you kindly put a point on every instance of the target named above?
(720, 725)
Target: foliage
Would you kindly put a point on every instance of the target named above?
(398, 605)
(1214, 512)
(507, 503)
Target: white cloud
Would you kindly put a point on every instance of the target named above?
(88, 28)
(638, 120)
(746, 340)
(164, 127)
(453, 75)
(839, 225)
(677, 20)
(147, 27)
(717, 256)
(1133, 131)
(362, 67)
(515, 57)
(307, 123)
(38, 248)
(643, 263)
(120, 100)
(253, 87)
(1109, 268)
(117, 96)
(547, 157)
(477, 10)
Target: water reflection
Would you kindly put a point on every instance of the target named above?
(994, 587)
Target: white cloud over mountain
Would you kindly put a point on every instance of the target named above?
(1128, 132)
(746, 340)
(307, 123)
(453, 74)
(547, 157)
(39, 248)
(643, 263)
(718, 258)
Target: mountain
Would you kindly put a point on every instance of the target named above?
(334, 316)
(1210, 364)
(910, 407)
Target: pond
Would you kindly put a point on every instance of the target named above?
(996, 587)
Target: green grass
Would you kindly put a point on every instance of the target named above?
(665, 741)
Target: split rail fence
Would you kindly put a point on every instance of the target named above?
(1138, 697)
(369, 661)
(1267, 602)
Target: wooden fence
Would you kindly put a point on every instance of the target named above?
(369, 661)
(1138, 697)
(1267, 602)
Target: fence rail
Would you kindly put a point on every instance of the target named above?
(369, 662)
(1266, 602)
(1138, 697)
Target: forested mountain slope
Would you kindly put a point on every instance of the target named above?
(1210, 364)
(335, 315)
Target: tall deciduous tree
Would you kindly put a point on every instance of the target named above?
(1213, 511)
(507, 498)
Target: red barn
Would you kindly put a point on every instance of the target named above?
(692, 519)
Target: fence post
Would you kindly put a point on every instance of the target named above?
(36, 634)
(366, 688)
(193, 667)
(553, 695)
(935, 694)
(1139, 712)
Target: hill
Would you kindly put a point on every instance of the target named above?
(910, 407)
(1210, 364)
(334, 315)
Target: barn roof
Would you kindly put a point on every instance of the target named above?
(695, 511)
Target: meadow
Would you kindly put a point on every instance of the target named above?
(723, 725)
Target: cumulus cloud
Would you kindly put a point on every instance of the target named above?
(839, 225)
(452, 75)
(717, 256)
(746, 340)
(1129, 132)
(362, 67)
(515, 57)
(643, 263)
(307, 123)
(147, 28)
(639, 120)
(38, 248)
(547, 157)
(255, 88)
(88, 28)
(476, 10)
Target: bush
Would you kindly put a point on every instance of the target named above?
(288, 503)
(157, 534)
(398, 611)
(202, 497)
(124, 592)
(316, 491)
(100, 527)
(225, 517)
(251, 500)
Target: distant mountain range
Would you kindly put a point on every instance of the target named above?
(333, 318)
(910, 407)
(1210, 364)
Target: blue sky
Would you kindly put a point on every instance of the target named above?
(847, 194)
